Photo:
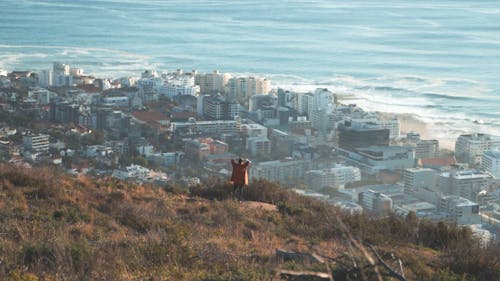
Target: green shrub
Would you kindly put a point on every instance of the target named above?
(287, 209)
(58, 215)
(174, 188)
(218, 191)
(81, 256)
(38, 253)
(71, 214)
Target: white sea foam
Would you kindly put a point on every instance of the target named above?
(487, 11)
(444, 125)
(101, 52)
(428, 22)
(99, 61)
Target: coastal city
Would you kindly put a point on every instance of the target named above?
(185, 127)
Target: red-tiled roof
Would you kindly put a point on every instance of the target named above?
(149, 116)
(184, 115)
(89, 88)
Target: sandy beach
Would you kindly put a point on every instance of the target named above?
(410, 123)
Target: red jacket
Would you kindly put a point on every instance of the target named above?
(240, 172)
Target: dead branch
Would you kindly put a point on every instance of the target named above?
(392, 272)
(304, 275)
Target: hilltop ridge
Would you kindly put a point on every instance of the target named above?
(57, 227)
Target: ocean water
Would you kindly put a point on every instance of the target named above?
(436, 59)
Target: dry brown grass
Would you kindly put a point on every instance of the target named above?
(54, 227)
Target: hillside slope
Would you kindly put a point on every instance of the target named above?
(55, 227)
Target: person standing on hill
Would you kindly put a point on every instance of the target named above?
(239, 177)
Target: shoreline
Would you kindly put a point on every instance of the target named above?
(411, 123)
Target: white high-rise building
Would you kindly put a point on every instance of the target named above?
(423, 148)
(320, 109)
(470, 148)
(254, 130)
(211, 83)
(214, 108)
(242, 88)
(459, 209)
(233, 110)
(466, 184)
(323, 100)
(258, 146)
(375, 202)
(45, 78)
(171, 90)
(36, 143)
(207, 127)
(200, 104)
(149, 85)
(419, 178)
(149, 88)
(337, 177)
(305, 103)
(491, 162)
(427, 149)
(61, 75)
(323, 120)
(285, 171)
(174, 84)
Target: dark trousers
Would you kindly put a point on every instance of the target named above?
(238, 191)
